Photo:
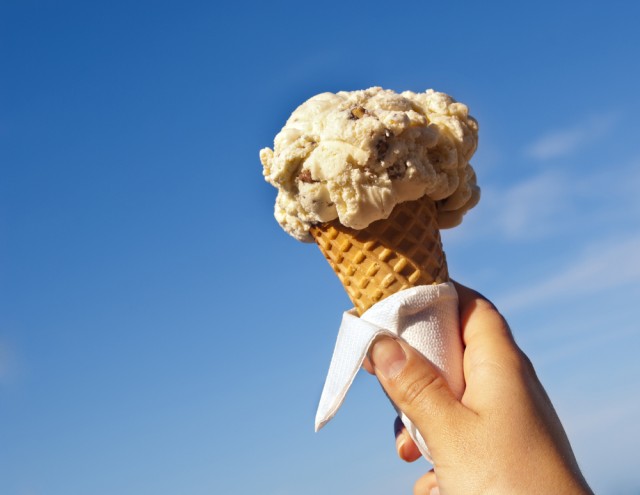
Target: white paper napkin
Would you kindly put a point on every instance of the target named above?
(425, 316)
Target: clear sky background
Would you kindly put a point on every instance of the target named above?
(159, 333)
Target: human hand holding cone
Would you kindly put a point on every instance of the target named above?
(385, 258)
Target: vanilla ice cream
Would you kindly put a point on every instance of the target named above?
(355, 155)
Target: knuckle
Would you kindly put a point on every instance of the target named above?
(485, 310)
(515, 363)
(416, 389)
(526, 364)
(477, 306)
(525, 367)
(486, 305)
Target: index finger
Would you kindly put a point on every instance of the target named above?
(481, 321)
(491, 353)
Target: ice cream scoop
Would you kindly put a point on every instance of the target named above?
(353, 156)
(372, 176)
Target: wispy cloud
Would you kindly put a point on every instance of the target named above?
(577, 203)
(600, 267)
(530, 209)
(586, 341)
(606, 415)
(564, 141)
(533, 206)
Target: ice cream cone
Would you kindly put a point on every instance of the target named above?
(388, 256)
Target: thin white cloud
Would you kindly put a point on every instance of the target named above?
(586, 341)
(564, 141)
(602, 267)
(554, 202)
(614, 189)
(606, 415)
(533, 206)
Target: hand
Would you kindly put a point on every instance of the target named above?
(503, 436)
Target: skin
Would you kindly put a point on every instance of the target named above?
(502, 437)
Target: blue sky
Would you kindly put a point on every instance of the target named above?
(160, 334)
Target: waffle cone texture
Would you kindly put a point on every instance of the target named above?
(388, 256)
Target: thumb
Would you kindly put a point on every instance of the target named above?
(416, 386)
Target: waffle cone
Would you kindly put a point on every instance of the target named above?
(388, 256)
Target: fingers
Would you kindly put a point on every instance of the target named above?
(366, 364)
(417, 388)
(485, 334)
(480, 319)
(405, 446)
(494, 366)
(426, 485)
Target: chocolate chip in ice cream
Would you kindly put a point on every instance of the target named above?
(305, 176)
(382, 145)
(397, 170)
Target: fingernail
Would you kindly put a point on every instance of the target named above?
(435, 491)
(400, 447)
(397, 426)
(388, 357)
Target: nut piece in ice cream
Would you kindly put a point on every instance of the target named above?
(353, 156)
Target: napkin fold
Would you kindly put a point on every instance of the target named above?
(426, 317)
